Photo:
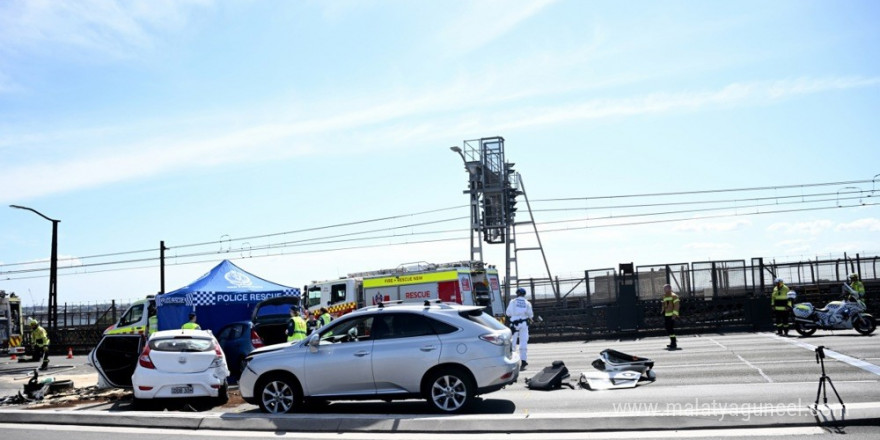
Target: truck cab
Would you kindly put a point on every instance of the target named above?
(339, 296)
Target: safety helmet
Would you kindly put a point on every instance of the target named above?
(777, 280)
(854, 276)
(32, 322)
(520, 292)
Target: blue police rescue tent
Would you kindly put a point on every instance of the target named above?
(226, 294)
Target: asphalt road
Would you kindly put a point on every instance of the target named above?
(729, 381)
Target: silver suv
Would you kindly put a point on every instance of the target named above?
(443, 353)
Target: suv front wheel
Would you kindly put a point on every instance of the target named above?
(450, 390)
(278, 394)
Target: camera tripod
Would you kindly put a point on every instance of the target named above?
(820, 359)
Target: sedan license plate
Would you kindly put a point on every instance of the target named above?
(182, 390)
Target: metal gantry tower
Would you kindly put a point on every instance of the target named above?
(493, 187)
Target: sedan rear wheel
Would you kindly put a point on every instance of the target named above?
(278, 395)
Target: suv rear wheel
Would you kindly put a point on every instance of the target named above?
(278, 394)
(450, 390)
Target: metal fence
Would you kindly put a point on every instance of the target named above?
(80, 326)
(716, 295)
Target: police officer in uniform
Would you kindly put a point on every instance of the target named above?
(856, 285)
(781, 304)
(519, 313)
(325, 317)
(671, 305)
(191, 324)
(41, 342)
(296, 327)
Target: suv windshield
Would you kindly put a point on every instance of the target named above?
(483, 319)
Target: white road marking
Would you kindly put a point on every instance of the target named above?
(760, 371)
(858, 363)
(735, 433)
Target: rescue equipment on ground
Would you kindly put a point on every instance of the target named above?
(618, 370)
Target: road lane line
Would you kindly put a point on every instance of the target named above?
(760, 371)
(858, 363)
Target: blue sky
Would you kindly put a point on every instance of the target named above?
(224, 128)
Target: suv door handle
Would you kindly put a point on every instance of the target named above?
(428, 348)
(362, 353)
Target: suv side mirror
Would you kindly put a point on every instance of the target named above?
(313, 342)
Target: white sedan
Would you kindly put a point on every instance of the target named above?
(181, 363)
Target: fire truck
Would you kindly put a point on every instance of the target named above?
(11, 324)
(462, 282)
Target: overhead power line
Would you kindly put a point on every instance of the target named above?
(283, 248)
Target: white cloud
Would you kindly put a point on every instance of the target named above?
(122, 159)
(811, 228)
(487, 20)
(702, 246)
(865, 224)
(708, 226)
(110, 28)
(736, 94)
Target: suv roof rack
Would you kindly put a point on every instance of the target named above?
(427, 304)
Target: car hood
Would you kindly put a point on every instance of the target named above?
(271, 348)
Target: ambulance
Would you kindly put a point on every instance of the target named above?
(11, 324)
(136, 318)
(462, 282)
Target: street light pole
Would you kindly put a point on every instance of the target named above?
(52, 320)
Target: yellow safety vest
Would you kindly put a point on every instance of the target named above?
(858, 287)
(780, 299)
(153, 323)
(299, 329)
(671, 305)
(41, 338)
(191, 326)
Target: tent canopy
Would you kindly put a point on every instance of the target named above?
(225, 294)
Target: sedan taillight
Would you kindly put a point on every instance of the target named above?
(218, 361)
(145, 360)
(256, 340)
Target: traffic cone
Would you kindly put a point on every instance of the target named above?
(70, 352)
(13, 358)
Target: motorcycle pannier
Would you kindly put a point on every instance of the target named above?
(803, 310)
(550, 378)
